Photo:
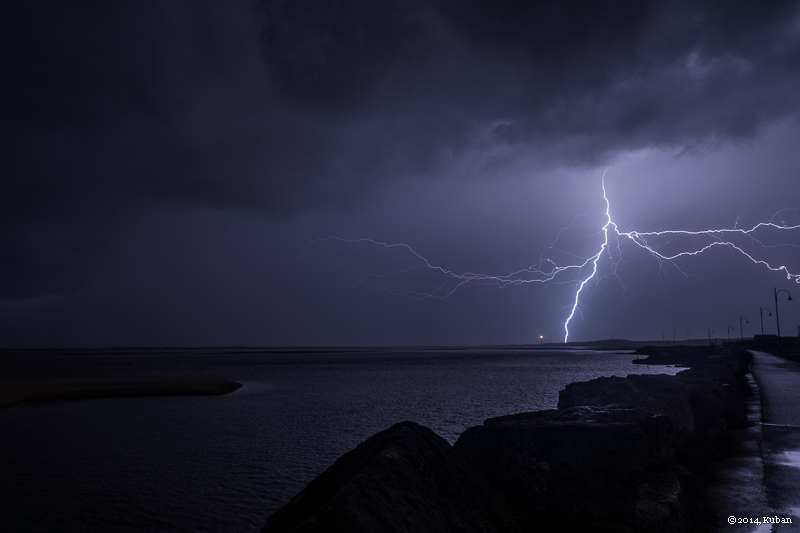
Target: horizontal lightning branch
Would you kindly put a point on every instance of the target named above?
(432, 281)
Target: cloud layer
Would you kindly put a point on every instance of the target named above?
(116, 111)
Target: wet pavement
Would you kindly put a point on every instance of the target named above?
(738, 489)
(779, 381)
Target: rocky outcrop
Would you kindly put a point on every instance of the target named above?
(702, 402)
(673, 355)
(618, 454)
(584, 468)
(403, 479)
(657, 394)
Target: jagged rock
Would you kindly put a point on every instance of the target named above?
(718, 388)
(577, 469)
(658, 394)
(702, 402)
(669, 502)
(605, 460)
(403, 479)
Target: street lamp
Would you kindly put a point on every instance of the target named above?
(730, 328)
(741, 331)
(761, 312)
(688, 334)
(541, 339)
(777, 316)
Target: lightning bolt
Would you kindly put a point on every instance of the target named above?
(639, 238)
(594, 259)
(439, 283)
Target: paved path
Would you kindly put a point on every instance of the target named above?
(737, 486)
(779, 381)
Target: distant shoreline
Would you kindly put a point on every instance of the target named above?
(601, 345)
(13, 394)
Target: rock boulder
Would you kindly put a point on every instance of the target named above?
(582, 468)
(405, 479)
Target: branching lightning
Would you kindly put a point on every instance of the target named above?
(434, 281)
(594, 260)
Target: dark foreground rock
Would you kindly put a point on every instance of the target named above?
(619, 454)
(657, 394)
(702, 403)
(585, 469)
(403, 479)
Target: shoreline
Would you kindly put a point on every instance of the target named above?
(14, 394)
(617, 454)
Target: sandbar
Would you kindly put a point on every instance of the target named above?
(13, 394)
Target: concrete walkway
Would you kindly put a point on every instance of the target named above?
(779, 381)
(738, 489)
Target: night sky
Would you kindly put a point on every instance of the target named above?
(165, 164)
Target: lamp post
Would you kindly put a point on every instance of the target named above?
(777, 316)
(710, 333)
(741, 330)
(730, 328)
(688, 334)
(541, 339)
(761, 312)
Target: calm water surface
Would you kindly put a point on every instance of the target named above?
(226, 463)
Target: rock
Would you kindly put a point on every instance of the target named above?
(670, 502)
(717, 391)
(619, 454)
(702, 403)
(657, 394)
(718, 388)
(672, 355)
(403, 479)
(577, 469)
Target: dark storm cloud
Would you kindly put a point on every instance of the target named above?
(616, 74)
(280, 107)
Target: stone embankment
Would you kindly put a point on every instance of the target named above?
(673, 355)
(618, 454)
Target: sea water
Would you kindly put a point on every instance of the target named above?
(225, 463)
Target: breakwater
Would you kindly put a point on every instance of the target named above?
(618, 454)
